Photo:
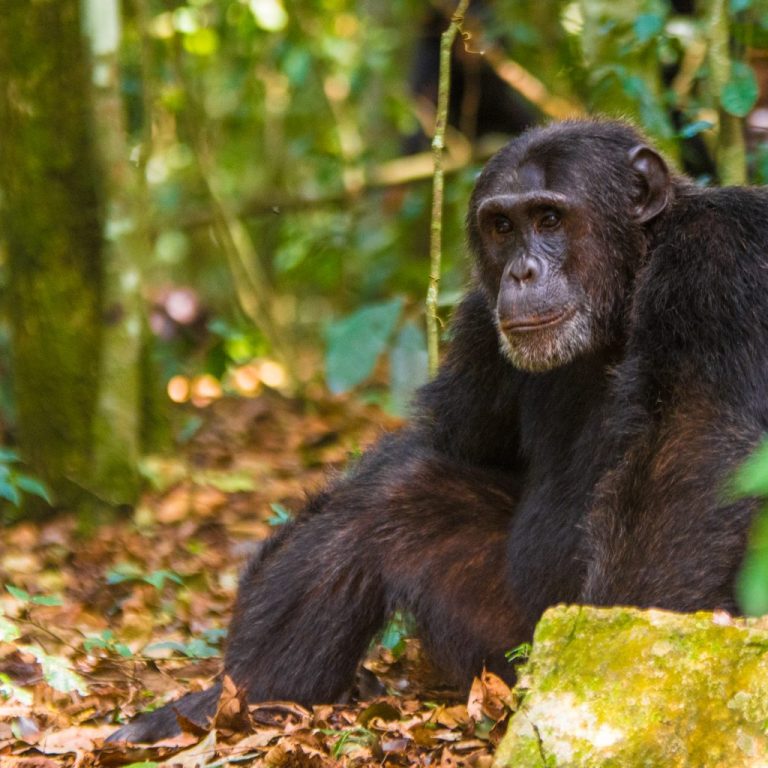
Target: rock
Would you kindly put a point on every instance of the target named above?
(627, 688)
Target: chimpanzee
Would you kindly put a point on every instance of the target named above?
(607, 372)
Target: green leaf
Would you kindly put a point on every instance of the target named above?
(737, 6)
(228, 482)
(694, 129)
(8, 456)
(57, 672)
(394, 634)
(158, 578)
(47, 600)
(355, 342)
(519, 653)
(214, 635)
(281, 515)
(10, 492)
(408, 366)
(124, 572)
(740, 93)
(35, 487)
(752, 582)
(196, 648)
(647, 26)
(25, 597)
(9, 690)
(751, 478)
(19, 594)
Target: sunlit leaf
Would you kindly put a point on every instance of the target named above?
(202, 42)
(228, 482)
(356, 341)
(19, 594)
(9, 690)
(8, 630)
(57, 672)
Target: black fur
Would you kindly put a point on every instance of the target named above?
(599, 477)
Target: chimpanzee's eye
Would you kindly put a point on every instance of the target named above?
(550, 219)
(502, 225)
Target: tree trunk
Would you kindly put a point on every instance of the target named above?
(51, 221)
(117, 417)
(61, 297)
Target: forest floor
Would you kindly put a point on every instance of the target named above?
(97, 626)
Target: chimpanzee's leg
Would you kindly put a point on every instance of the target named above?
(450, 568)
(423, 533)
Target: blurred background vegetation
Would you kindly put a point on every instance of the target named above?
(210, 197)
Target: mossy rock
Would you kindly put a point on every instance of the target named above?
(622, 687)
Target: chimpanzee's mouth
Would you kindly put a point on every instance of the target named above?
(538, 322)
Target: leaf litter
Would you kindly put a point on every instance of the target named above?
(97, 627)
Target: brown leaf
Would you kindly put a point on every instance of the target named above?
(487, 697)
(475, 700)
(75, 739)
(27, 762)
(380, 710)
(279, 712)
(232, 714)
(195, 757)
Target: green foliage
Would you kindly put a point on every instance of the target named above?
(356, 341)
(739, 95)
(9, 690)
(519, 653)
(56, 671)
(14, 483)
(196, 648)
(24, 597)
(351, 739)
(751, 480)
(396, 631)
(695, 128)
(407, 365)
(647, 26)
(128, 571)
(106, 641)
(280, 515)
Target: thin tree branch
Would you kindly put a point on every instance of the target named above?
(436, 226)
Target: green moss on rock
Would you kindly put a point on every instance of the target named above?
(622, 687)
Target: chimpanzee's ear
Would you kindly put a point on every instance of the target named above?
(652, 181)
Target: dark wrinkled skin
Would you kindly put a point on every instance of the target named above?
(606, 374)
